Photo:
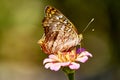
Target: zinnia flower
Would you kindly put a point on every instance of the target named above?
(64, 59)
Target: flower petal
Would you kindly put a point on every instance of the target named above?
(85, 53)
(48, 65)
(74, 65)
(48, 60)
(88, 54)
(65, 63)
(79, 50)
(52, 56)
(82, 59)
(55, 66)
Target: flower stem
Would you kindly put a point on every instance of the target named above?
(70, 76)
(69, 73)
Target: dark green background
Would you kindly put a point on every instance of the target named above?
(20, 29)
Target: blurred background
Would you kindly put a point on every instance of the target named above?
(20, 29)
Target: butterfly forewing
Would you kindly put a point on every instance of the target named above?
(60, 33)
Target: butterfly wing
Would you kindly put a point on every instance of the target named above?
(60, 33)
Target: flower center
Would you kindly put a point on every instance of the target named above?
(67, 56)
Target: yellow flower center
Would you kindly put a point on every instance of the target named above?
(67, 56)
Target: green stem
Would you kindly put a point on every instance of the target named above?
(69, 73)
(70, 76)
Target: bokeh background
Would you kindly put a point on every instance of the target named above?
(20, 29)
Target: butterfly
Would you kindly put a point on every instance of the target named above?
(59, 33)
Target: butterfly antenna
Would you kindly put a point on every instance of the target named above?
(88, 25)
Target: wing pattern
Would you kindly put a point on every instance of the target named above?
(60, 34)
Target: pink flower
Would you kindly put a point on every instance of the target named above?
(70, 59)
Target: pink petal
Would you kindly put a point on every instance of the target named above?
(74, 65)
(55, 66)
(82, 59)
(65, 63)
(52, 56)
(88, 54)
(85, 53)
(48, 65)
(48, 60)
